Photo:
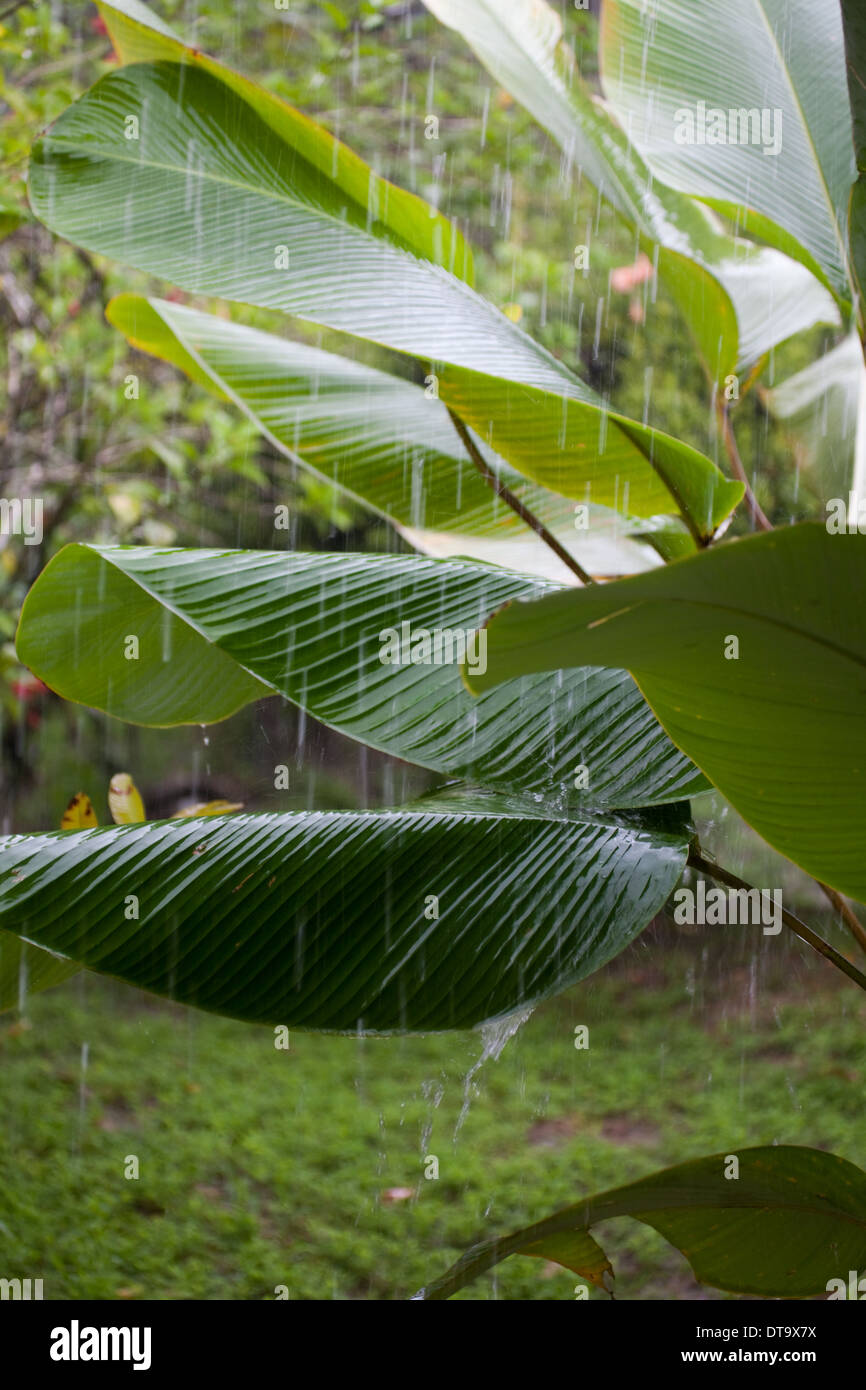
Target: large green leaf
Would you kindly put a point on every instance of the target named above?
(737, 299)
(210, 192)
(789, 1222)
(780, 727)
(216, 630)
(438, 916)
(762, 55)
(387, 442)
(139, 35)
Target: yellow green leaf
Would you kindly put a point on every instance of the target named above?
(124, 800)
(209, 808)
(79, 814)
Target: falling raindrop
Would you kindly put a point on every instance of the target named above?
(494, 1036)
(82, 1086)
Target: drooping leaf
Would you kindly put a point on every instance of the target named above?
(217, 199)
(793, 1219)
(575, 1250)
(661, 62)
(737, 299)
(753, 656)
(387, 442)
(218, 630)
(433, 917)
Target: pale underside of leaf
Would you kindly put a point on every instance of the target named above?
(789, 59)
(737, 299)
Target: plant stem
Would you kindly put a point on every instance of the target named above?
(515, 503)
(730, 442)
(714, 871)
(704, 866)
(849, 917)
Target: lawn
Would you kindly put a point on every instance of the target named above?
(261, 1167)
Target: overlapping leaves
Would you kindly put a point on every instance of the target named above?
(434, 917)
(785, 175)
(737, 299)
(753, 656)
(386, 441)
(216, 630)
(219, 197)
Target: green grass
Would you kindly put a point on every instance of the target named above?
(261, 1167)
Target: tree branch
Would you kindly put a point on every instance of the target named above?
(704, 866)
(849, 917)
(515, 503)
